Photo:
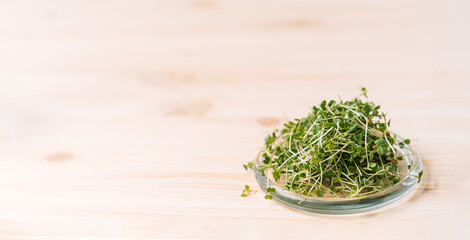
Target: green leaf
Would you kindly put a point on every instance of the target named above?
(315, 160)
(407, 141)
(331, 103)
(420, 175)
(247, 188)
(276, 175)
(380, 182)
(364, 91)
(266, 160)
(268, 196)
(382, 150)
(353, 127)
(380, 142)
(319, 192)
(269, 139)
(323, 105)
(270, 190)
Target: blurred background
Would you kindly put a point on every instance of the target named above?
(133, 118)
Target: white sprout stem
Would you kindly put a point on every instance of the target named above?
(375, 174)
(367, 155)
(314, 184)
(386, 139)
(329, 110)
(393, 149)
(310, 129)
(359, 170)
(321, 136)
(314, 137)
(320, 142)
(293, 177)
(351, 110)
(290, 139)
(295, 154)
(321, 175)
(334, 154)
(355, 184)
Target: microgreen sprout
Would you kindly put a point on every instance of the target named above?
(268, 196)
(247, 166)
(269, 190)
(246, 191)
(420, 175)
(341, 149)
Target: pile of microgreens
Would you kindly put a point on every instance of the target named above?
(340, 149)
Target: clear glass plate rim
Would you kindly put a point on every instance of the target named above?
(414, 157)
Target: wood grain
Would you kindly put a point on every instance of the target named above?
(132, 119)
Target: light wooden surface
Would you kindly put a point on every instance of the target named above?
(133, 118)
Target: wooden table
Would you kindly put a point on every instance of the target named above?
(132, 119)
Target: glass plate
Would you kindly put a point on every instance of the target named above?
(349, 205)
